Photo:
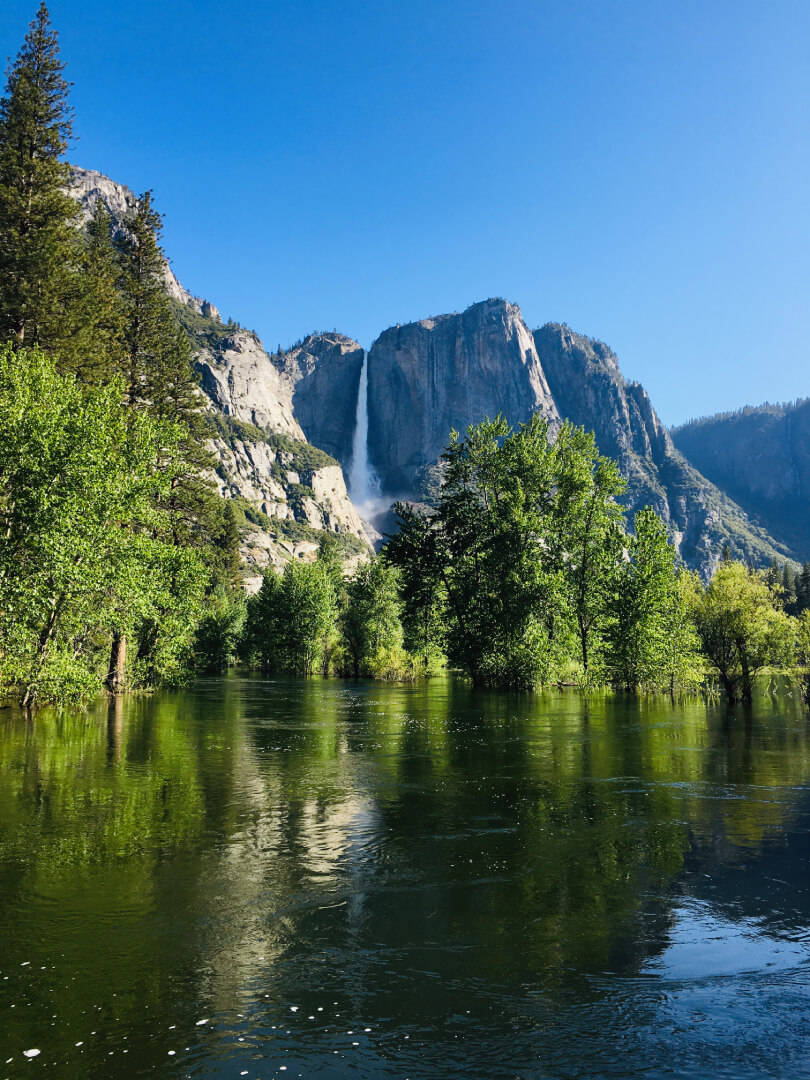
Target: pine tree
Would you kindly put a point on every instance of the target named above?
(159, 374)
(159, 379)
(39, 244)
(97, 314)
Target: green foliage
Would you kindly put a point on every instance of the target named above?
(80, 550)
(220, 630)
(230, 429)
(303, 456)
(98, 313)
(292, 618)
(518, 555)
(742, 628)
(202, 329)
(586, 532)
(415, 551)
(803, 654)
(651, 642)
(298, 456)
(39, 244)
(371, 620)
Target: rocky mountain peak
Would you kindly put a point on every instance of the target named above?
(445, 372)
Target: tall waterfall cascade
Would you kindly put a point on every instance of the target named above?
(364, 484)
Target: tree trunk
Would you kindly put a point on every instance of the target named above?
(116, 676)
(747, 682)
(728, 686)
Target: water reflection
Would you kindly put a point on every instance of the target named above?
(421, 878)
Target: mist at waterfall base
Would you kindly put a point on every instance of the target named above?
(364, 484)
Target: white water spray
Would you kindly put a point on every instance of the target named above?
(364, 484)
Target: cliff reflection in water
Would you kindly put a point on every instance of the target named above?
(400, 853)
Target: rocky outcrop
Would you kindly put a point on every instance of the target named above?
(288, 492)
(242, 381)
(296, 490)
(761, 457)
(444, 373)
(89, 187)
(323, 374)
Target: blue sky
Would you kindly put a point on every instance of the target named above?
(639, 169)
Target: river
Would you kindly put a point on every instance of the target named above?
(265, 878)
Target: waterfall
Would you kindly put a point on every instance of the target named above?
(364, 485)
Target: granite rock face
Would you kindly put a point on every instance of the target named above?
(264, 457)
(323, 373)
(444, 373)
(761, 457)
(243, 382)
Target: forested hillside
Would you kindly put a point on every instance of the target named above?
(761, 457)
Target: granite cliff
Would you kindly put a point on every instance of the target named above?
(323, 374)
(761, 457)
(428, 377)
(590, 390)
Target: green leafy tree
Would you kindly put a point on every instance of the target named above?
(371, 621)
(524, 537)
(415, 550)
(502, 583)
(79, 558)
(586, 532)
(292, 617)
(651, 644)
(39, 243)
(742, 628)
(220, 630)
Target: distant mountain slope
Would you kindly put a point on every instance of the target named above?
(761, 457)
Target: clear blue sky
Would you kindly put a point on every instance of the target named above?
(639, 169)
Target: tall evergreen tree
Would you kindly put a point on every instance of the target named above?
(97, 314)
(39, 244)
(159, 373)
(415, 549)
(803, 589)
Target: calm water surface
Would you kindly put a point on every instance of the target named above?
(263, 879)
